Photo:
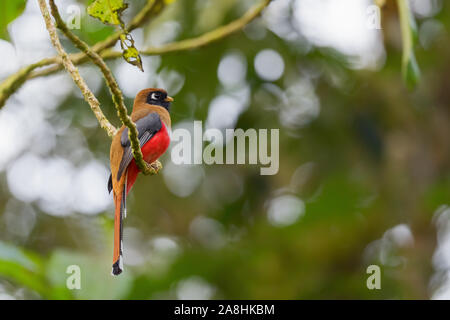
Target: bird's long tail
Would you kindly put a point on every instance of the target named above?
(120, 213)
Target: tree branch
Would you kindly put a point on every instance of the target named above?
(116, 93)
(16, 80)
(13, 83)
(73, 71)
(202, 40)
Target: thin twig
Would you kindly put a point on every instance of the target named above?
(13, 83)
(73, 71)
(151, 9)
(16, 80)
(116, 93)
(202, 40)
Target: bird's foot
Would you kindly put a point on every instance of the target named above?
(152, 168)
(155, 167)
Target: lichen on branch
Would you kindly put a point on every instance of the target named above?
(113, 86)
(16, 80)
(204, 39)
(74, 73)
(152, 8)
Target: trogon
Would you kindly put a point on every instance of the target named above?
(152, 118)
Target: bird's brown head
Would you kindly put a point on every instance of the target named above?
(153, 96)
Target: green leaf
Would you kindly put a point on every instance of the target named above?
(129, 51)
(23, 268)
(410, 68)
(107, 11)
(9, 10)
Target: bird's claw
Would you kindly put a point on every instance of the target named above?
(155, 167)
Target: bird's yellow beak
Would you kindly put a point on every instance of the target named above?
(168, 99)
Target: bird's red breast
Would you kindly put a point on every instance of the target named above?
(151, 151)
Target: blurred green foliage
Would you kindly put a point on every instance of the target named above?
(9, 10)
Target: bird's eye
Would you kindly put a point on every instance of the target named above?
(156, 96)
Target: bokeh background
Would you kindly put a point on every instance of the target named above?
(364, 162)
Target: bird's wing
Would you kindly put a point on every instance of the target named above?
(147, 127)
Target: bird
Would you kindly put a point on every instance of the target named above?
(151, 114)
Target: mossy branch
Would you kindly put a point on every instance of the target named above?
(203, 40)
(74, 73)
(113, 86)
(13, 83)
(16, 80)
